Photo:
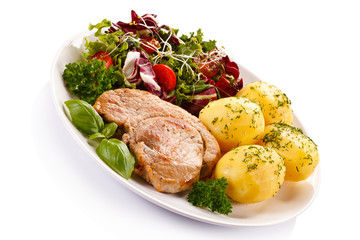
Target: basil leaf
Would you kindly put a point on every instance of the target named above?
(84, 116)
(96, 135)
(109, 130)
(116, 154)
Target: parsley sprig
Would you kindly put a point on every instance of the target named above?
(211, 195)
(88, 80)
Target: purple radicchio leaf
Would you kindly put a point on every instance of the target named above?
(225, 88)
(144, 25)
(138, 69)
(148, 77)
(131, 68)
(231, 67)
(139, 24)
(233, 72)
(199, 101)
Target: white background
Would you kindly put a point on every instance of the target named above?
(51, 189)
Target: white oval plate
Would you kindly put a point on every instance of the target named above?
(291, 200)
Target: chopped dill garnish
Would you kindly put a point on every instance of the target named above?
(214, 120)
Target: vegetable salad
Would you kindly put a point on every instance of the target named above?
(185, 70)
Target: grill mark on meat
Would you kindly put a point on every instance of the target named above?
(142, 115)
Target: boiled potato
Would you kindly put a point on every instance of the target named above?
(275, 105)
(233, 121)
(299, 152)
(254, 173)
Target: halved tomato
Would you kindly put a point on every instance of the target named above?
(209, 69)
(149, 44)
(165, 76)
(103, 56)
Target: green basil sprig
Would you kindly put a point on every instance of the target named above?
(112, 151)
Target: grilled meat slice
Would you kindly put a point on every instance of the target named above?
(169, 144)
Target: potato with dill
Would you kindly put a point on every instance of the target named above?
(254, 173)
(234, 121)
(299, 152)
(275, 105)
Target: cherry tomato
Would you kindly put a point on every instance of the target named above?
(149, 44)
(165, 76)
(209, 69)
(103, 56)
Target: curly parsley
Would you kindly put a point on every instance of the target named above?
(88, 80)
(211, 195)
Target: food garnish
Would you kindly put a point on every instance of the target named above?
(87, 80)
(116, 154)
(112, 151)
(211, 195)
